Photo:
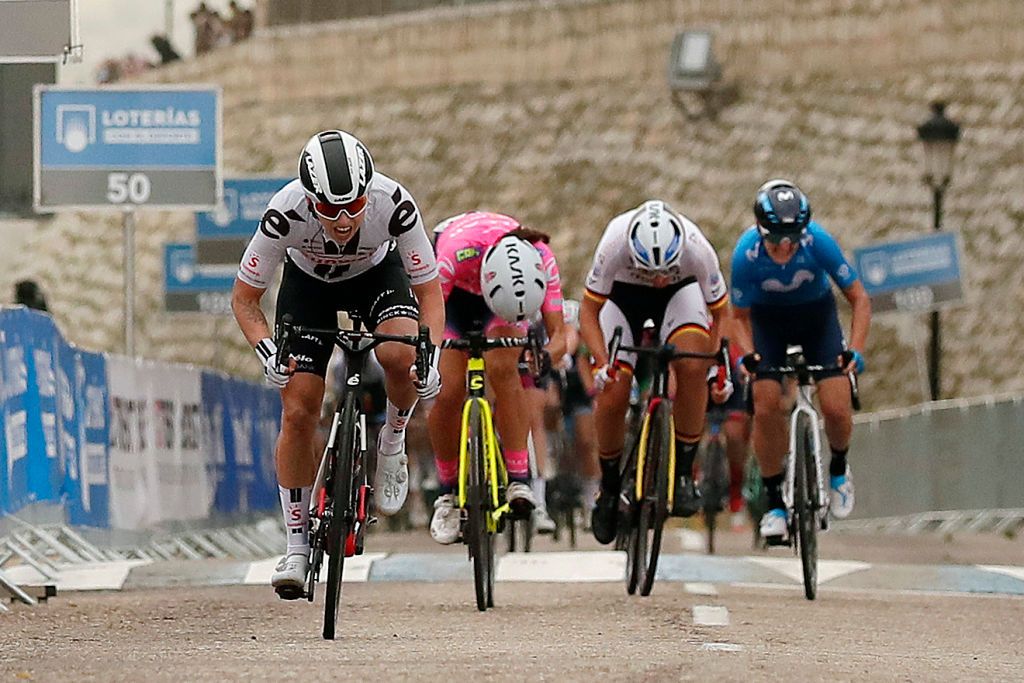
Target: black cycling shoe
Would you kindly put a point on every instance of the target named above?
(604, 516)
(687, 500)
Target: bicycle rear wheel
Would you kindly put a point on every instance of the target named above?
(477, 509)
(806, 505)
(654, 504)
(340, 521)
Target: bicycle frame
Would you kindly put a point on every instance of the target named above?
(475, 382)
(804, 404)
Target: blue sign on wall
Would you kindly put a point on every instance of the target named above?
(156, 146)
(911, 275)
(191, 287)
(245, 200)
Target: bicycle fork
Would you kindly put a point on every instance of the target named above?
(803, 405)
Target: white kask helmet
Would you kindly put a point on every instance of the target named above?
(512, 279)
(655, 236)
(335, 167)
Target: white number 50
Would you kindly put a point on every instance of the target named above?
(122, 187)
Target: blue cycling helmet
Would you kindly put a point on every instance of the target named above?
(781, 209)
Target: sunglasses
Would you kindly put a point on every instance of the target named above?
(779, 238)
(333, 212)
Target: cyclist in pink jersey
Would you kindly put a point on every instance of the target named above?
(464, 255)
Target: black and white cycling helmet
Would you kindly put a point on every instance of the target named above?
(512, 279)
(782, 210)
(655, 236)
(335, 168)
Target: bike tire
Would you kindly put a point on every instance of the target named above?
(477, 507)
(654, 509)
(626, 532)
(341, 512)
(806, 506)
(714, 487)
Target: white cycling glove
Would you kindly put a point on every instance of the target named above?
(727, 387)
(430, 387)
(273, 374)
(603, 377)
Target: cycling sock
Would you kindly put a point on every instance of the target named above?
(837, 466)
(610, 476)
(686, 454)
(447, 473)
(392, 436)
(518, 465)
(773, 489)
(295, 506)
(540, 488)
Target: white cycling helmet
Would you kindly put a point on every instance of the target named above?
(655, 236)
(335, 168)
(512, 279)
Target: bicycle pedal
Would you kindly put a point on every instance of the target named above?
(290, 592)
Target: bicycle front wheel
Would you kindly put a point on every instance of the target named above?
(477, 508)
(342, 511)
(805, 503)
(654, 502)
(714, 486)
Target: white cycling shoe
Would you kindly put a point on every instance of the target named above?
(542, 522)
(520, 498)
(444, 525)
(391, 481)
(841, 495)
(774, 526)
(289, 577)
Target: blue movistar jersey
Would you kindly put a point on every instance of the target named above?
(756, 279)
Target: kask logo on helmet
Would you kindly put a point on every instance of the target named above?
(311, 167)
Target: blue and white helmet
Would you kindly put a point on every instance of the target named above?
(655, 236)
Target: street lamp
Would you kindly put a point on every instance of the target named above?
(939, 136)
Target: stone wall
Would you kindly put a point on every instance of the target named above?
(558, 112)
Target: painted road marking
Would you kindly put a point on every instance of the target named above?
(575, 567)
(1015, 572)
(710, 615)
(692, 541)
(356, 570)
(93, 576)
(721, 647)
(792, 567)
(700, 588)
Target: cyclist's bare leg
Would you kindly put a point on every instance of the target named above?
(512, 420)
(770, 431)
(837, 411)
(294, 456)
(397, 359)
(690, 407)
(443, 423)
(610, 408)
(737, 445)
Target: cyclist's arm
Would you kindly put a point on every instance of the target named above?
(860, 302)
(431, 301)
(245, 304)
(554, 323)
(741, 328)
(590, 328)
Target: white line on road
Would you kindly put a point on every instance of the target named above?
(792, 568)
(710, 615)
(700, 588)
(584, 566)
(1015, 572)
(356, 570)
(721, 647)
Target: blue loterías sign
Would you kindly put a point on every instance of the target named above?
(245, 200)
(911, 275)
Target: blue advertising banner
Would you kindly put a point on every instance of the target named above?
(245, 200)
(124, 129)
(242, 423)
(182, 274)
(911, 275)
(85, 436)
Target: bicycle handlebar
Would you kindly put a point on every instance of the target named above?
(667, 352)
(800, 367)
(486, 343)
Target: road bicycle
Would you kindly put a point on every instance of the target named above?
(482, 474)
(342, 499)
(648, 486)
(804, 491)
(714, 475)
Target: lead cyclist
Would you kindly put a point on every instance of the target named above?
(351, 239)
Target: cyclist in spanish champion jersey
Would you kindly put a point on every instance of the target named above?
(781, 295)
(497, 274)
(652, 263)
(351, 239)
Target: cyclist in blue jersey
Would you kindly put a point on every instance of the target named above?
(781, 295)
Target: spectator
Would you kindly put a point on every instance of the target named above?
(28, 293)
(240, 22)
(201, 23)
(164, 48)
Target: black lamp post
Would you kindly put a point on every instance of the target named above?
(939, 136)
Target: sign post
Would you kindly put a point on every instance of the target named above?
(153, 147)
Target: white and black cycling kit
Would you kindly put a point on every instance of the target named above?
(370, 275)
(693, 287)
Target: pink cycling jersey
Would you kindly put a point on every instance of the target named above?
(461, 247)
